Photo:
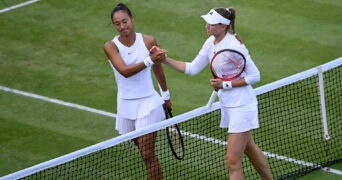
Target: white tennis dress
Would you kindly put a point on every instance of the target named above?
(239, 111)
(138, 103)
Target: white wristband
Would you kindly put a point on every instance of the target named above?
(227, 85)
(148, 61)
(165, 95)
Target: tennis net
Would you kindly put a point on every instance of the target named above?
(300, 131)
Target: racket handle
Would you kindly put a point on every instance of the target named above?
(212, 99)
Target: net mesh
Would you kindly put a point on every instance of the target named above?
(290, 135)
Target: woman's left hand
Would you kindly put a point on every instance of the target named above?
(216, 83)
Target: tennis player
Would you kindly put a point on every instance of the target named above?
(239, 111)
(138, 103)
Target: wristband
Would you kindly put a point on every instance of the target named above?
(148, 61)
(165, 95)
(227, 85)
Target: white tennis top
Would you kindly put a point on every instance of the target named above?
(238, 96)
(141, 84)
(136, 96)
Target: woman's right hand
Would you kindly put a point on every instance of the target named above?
(157, 55)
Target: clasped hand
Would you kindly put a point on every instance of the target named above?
(216, 83)
(157, 55)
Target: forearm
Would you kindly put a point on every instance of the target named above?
(118, 63)
(164, 92)
(174, 64)
(239, 82)
(220, 84)
(128, 71)
(160, 76)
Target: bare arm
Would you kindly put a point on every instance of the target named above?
(189, 68)
(174, 64)
(160, 76)
(158, 69)
(113, 55)
(217, 83)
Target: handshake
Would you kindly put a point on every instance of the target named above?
(157, 55)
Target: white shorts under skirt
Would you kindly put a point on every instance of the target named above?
(124, 125)
(239, 119)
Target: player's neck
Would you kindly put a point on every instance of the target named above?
(128, 40)
(219, 38)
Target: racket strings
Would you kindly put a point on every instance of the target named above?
(228, 64)
(176, 141)
(175, 138)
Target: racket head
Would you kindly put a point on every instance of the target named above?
(227, 64)
(174, 138)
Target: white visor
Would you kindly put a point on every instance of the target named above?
(215, 18)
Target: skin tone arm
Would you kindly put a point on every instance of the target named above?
(175, 64)
(160, 76)
(157, 68)
(112, 53)
(216, 83)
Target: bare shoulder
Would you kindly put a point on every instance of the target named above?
(109, 45)
(110, 49)
(148, 38)
(149, 41)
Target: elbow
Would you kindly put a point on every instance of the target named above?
(257, 78)
(189, 70)
(253, 79)
(189, 73)
(125, 73)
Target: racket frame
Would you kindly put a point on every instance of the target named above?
(230, 78)
(176, 130)
(214, 93)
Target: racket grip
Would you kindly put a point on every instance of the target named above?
(212, 99)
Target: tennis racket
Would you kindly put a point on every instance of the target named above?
(227, 65)
(174, 138)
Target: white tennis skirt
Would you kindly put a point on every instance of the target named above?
(239, 119)
(124, 125)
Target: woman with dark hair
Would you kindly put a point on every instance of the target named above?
(138, 103)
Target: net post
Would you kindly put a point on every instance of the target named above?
(322, 103)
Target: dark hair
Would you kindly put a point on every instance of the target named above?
(229, 13)
(121, 7)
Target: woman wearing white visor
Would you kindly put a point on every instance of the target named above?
(239, 111)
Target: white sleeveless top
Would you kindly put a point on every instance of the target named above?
(141, 84)
(136, 94)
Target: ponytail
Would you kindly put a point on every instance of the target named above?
(229, 13)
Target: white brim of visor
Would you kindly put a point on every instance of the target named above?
(215, 18)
